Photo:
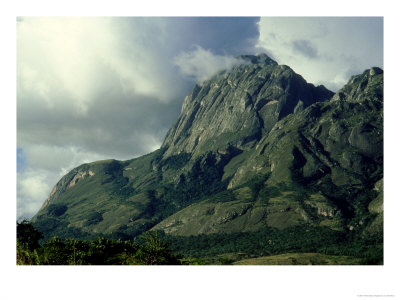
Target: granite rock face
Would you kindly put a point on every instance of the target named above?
(240, 107)
(366, 86)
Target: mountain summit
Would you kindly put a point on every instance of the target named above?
(256, 148)
(239, 107)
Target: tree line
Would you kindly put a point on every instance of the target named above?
(156, 248)
(150, 249)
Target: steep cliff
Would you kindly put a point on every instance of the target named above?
(318, 166)
(238, 107)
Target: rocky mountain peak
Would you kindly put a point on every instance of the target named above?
(260, 59)
(238, 107)
(362, 87)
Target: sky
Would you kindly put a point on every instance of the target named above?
(105, 87)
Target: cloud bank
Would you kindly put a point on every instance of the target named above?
(324, 50)
(201, 64)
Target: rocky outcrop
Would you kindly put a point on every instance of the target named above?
(239, 107)
(363, 87)
(342, 140)
(67, 182)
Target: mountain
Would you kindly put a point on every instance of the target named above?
(314, 166)
(255, 148)
(239, 107)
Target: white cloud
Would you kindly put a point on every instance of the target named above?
(57, 56)
(82, 57)
(202, 64)
(32, 189)
(33, 185)
(45, 157)
(324, 50)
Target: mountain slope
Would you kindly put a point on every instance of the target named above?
(254, 148)
(318, 166)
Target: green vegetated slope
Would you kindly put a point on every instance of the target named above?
(255, 148)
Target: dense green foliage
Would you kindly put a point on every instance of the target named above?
(57, 210)
(352, 201)
(28, 235)
(203, 180)
(52, 226)
(154, 248)
(150, 249)
(94, 217)
(176, 162)
(271, 241)
(120, 186)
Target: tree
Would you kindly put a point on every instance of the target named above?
(26, 256)
(27, 235)
(77, 251)
(54, 252)
(155, 251)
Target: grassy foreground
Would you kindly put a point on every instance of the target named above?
(301, 259)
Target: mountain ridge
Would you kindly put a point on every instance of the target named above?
(240, 105)
(253, 148)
